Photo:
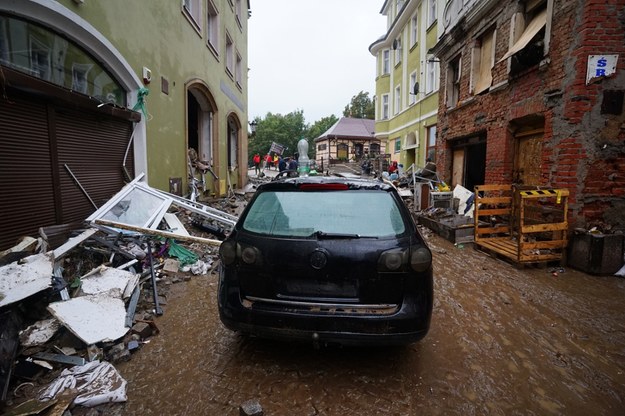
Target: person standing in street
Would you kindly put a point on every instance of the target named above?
(256, 161)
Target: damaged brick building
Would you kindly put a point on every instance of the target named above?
(532, 94)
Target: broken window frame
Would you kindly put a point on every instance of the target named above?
(167, 200)
(526, 24)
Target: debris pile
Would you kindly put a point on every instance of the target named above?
(84, 296)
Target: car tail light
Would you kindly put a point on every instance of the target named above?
(421, 259)
(228, 252)
(393, 260)
(250, 255)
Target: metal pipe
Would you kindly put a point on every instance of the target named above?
(80, 186)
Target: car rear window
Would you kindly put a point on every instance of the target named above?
(302, 214)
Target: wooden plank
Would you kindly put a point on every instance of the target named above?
(495, 200)
(493, 188)
(159, 233)
(494, 211)
(552, 244)
(492, 230)
(539, 228)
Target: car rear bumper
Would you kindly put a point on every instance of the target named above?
(398, 325)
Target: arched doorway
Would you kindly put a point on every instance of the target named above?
(202, 130)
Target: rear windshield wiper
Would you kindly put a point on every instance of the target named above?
(322, 234)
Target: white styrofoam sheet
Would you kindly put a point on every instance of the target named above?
(105, 280)
(19, 281)
(93, 318)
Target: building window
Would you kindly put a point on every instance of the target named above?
(414, 30)
(193, 10)
(238, 71)
(528, 33)
(323, 146)
(398, 51)
(412, 96)
(400, 4)
(229, 55)
(483, 56)
(430, 76)
(397, 99)
(431, 147)
(453, 82)
(233, 146)
(386, 62)
(41, 53)
(212, 27)
(237, 13)
(398, 145)
(431, 12)
(385, 107)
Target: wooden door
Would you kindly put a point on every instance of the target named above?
(528, 157)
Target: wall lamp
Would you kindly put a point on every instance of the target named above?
(253, 125)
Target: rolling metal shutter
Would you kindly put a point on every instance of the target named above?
(27, 201)
(93, 148)
(36, 142)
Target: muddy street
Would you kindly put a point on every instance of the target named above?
(503, 341)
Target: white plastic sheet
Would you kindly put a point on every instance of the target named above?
(97, 383)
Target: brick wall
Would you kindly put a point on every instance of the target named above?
(583, 150)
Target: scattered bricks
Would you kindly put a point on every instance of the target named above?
(251, 408)
(143, 329)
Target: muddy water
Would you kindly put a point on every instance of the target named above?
(503, 341)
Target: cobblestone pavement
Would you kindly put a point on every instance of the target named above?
(503, 341)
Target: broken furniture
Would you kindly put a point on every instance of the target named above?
(525, 225)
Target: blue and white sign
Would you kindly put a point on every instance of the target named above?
(600, 66)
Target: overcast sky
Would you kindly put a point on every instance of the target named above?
(311, 55)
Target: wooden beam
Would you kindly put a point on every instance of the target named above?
(159, 233)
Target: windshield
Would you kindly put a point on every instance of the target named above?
(306, 214)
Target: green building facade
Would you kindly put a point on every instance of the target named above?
(407, 80)
(94, 93)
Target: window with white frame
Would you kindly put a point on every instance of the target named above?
(398, 51)
(414, 30)
(397, 99)
(397, 145)
(193, 10)
(412, 97)
(212, 26)
(482, 61)
(385, 107)
(386, 62)
(238, 70)
(453, 82)
(229, 55)
(431, 12)
(430, 76)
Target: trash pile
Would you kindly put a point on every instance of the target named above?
(81, 297)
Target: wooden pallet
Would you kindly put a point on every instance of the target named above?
(525, 226)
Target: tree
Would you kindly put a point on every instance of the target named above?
(361, 106)
(286, 130)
